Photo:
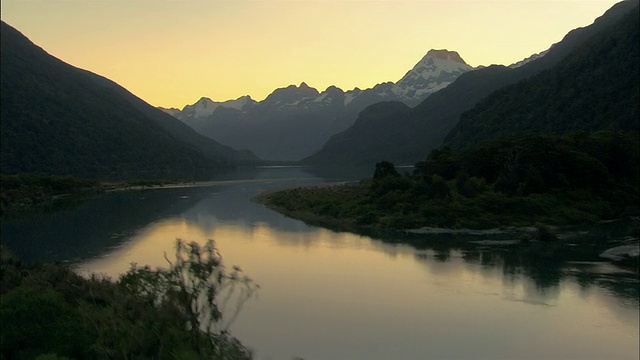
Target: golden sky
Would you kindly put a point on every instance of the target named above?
(171, 53)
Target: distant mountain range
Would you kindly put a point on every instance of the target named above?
(59, 119)
(295, 121)
(395, 132)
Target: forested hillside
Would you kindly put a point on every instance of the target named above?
(595, 88)
(520, 181)
(562, 147)
(405, 137)
(58, 119)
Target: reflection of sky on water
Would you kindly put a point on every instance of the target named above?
(328, 295)
(338, 295)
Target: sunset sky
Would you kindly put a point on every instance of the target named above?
(171, 53)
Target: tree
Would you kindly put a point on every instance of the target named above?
(192, 286)
(384, 169)
(180, 312)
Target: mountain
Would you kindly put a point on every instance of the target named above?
(406, 136)
(295, 121)
(529, 59)
(433, 72)
(205, 107)
(59, 119)
(595, 88)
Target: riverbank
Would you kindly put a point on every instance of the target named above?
(593, 242)
(27, 192)
(404, 205)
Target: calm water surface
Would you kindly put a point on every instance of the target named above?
(330, 295)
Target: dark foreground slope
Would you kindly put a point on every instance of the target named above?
(595, 88)
(51, 312)
(397, 134)
(58, 119)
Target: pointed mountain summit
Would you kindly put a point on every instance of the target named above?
(205, 106)
(295, 121)
(445, 55)
(436, 70)
(291, 95)
(405, 136)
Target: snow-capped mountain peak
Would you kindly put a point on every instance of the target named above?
(291, 95)
(295, 120)
(436, 70)
(205, 106)
(445, 55)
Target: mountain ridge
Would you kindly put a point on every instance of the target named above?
(294, 121)
(59, 119)
(595, 88)
(430, 121)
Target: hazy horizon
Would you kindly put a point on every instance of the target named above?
(172, 53)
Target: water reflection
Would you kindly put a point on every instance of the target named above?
(333, 295)
(92, 227)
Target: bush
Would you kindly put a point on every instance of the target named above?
(36, 321)
(183, 311)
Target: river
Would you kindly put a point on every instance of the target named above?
(336, 295)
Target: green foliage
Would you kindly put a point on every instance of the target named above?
(544, 234)
(594, 88)
(192, 284)
(35, 321)
(568, 179)
(34, 190)
(385, 169)
(443, 162)
(180, 312)
(51, 357)
(607, 75)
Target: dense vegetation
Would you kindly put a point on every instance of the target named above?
(29, 191)
(405, 136)
(595, 88)
(61, 120)
(50, 312)
(522, 181)
(38, 191)
(558, 148)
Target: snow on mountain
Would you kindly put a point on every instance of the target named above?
(530, 58)
(240, 103)
(350, 95)
(290, 96)
(330, 95)
(295, 121)
(436, 70)
(205, 106)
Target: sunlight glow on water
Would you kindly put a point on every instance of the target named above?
(327, 295)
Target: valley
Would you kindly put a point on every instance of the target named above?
(458, 212)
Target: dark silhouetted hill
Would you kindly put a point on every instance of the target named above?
(595, 88)
(406, 136)
(59, 119)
